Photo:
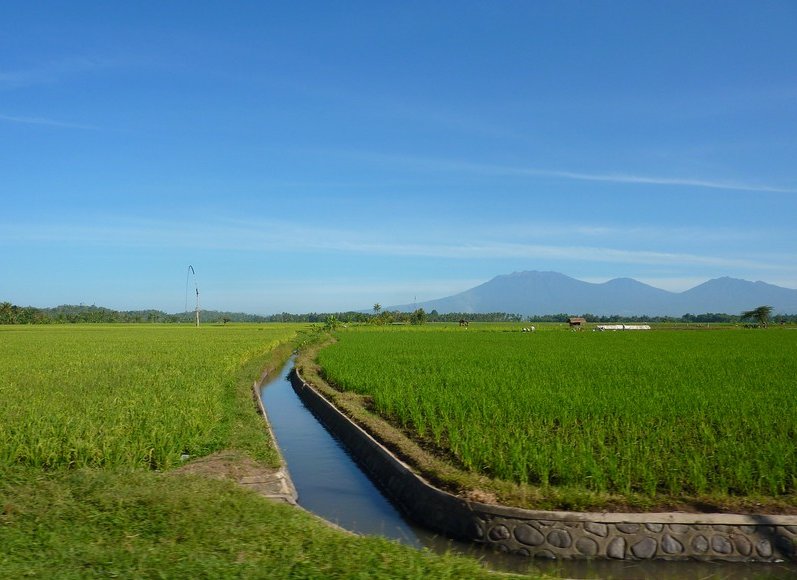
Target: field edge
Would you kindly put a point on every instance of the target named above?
(437, 466)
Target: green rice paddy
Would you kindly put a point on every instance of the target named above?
(672, 412)
(91, 420)
(123, 396)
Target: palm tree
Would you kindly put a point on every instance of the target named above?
(377, 308)
(6, 313)
(761, 314)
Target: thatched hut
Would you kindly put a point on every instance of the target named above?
(576, 322)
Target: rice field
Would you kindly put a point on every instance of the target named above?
(122, 395)
(89, 412)
(673, 412)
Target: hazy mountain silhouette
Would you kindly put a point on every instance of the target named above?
(731, 294)
(530, 293)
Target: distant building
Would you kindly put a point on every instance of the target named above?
(576, 322)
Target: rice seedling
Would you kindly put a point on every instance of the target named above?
(670, 412)
(131, 396)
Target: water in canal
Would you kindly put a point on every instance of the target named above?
(330, 484)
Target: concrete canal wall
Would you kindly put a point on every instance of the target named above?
(276, 485)
(554, 534)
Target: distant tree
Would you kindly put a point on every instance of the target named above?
(418, 317)
(6, 313)
(760, 314)
(377, 309)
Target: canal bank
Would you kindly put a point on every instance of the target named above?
(324, 489)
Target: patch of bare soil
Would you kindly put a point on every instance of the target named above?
(270, 482)
(229, 465)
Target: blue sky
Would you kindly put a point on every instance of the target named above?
(317, 156)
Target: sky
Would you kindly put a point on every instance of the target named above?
(327, 156)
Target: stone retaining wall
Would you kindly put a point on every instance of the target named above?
(553, 534)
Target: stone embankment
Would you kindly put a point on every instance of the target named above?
(553, 534)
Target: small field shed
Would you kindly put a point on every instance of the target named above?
(576, 322)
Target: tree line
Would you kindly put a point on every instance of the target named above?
(66, 314)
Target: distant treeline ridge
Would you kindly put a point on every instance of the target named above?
(12, 314)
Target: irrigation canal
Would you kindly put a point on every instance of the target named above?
(330, 484)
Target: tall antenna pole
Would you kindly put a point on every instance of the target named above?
(196, 289)
(197, 305)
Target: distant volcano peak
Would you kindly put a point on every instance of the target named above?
(536, 292)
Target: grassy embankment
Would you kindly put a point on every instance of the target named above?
(93, 420)
(698, 421)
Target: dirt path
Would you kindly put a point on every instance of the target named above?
(272, 483)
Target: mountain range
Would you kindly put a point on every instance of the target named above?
(539, 293)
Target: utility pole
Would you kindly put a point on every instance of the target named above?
(197, 307)
(196, 289)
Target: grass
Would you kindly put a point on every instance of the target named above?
(88, 523)
(132, 396)
(95, 418)
(654, 417)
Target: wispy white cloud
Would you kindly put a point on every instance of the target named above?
(46, 122)
(50, 72)
(286, 237)
(653, 180)
(538, 230)
(501, 250)
(627, 178)
(434, 164)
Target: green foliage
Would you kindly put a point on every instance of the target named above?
(656, 412)
(135, 396)
(96, 523)
(89, 410)
(383, 318)
(11, 314)
(331, 323)
(760, 314)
